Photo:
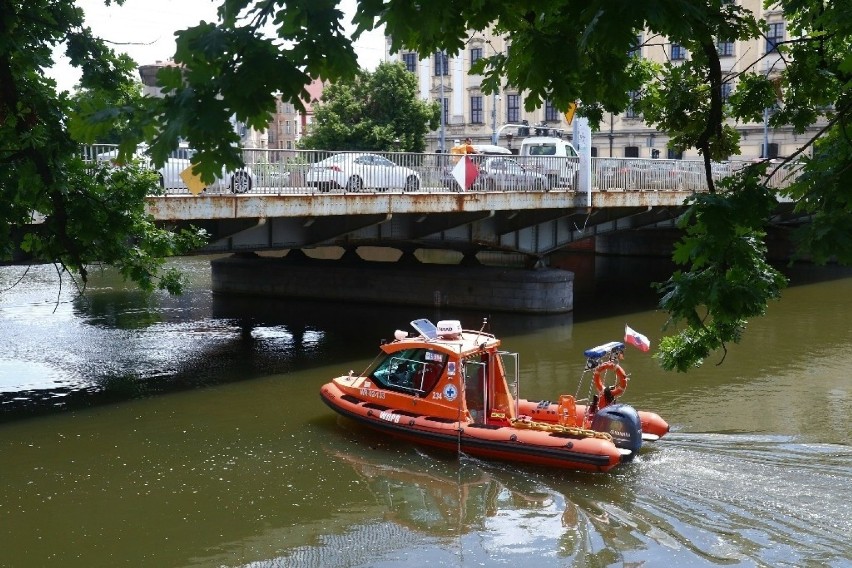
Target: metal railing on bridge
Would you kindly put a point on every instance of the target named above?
(301, 172)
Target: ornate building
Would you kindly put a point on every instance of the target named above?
(485, 118)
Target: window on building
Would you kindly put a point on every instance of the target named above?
(725, 48)
(631, 151)
(673, 155)
(513, 109)
(636, 50)
(632, 111)
(678, 52)
(594, 151)
(289, 144)
(442, 64)
(476, 109)
(727, 88)
(774, 36)
(410, 60)
(773, 151)
(446, 110)
(287, 128)
(551, 114)
(475, 54)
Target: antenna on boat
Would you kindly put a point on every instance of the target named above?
(484, 324)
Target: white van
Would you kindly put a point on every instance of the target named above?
(554, 157)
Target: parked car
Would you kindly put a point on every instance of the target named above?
(500, 174)
(618, 173)
(554, 157)
(506, 174)
(238, 181)
(359, 171)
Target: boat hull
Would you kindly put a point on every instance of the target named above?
(505, 443)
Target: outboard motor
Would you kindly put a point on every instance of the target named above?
(621, 421)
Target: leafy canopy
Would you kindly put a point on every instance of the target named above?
(377, 111)
(561, 50)
(54, 207)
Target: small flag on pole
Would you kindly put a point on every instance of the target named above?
(193, 182)
(465, 172)
(636, 339)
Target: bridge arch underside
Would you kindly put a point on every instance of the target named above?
(533, 234)
(500, 283)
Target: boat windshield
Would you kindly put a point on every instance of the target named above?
(413, 371)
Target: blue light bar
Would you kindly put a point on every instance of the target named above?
(602, 351)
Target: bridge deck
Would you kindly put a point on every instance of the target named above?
(525, 204)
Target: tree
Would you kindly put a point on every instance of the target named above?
(570, 51)
(376, 111)
(55, 207)
(562, 52)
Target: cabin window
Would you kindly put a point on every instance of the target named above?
(412, 371)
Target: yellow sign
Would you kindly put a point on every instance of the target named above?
(569, 114)
(193, 182)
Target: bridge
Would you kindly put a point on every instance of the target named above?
(530, 205)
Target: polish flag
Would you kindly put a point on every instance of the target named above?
(465, 172)
(636, 339)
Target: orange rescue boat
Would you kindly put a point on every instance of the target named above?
(449, 388)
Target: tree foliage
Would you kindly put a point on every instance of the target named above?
(378, 111)
(561, 51)
(55, 207)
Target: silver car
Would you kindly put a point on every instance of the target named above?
(506, 174)
(239, 181)
(359, 171)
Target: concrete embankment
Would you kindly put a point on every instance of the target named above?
(541, 290)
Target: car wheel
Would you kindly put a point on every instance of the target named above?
(240, 182)
(552, 180)
(355, 183)
(412, 183)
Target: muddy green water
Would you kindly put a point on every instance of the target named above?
(189, 432)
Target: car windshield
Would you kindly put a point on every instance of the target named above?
(380, 161)
(543, 150)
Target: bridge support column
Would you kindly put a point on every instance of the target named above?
(542, 290)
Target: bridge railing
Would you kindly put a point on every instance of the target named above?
(299, 172)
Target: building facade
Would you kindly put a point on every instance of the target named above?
(286, 127)
(486, 118)
(288, 124)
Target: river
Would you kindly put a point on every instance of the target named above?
(177, 432)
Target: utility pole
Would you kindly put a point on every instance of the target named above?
(494, 135)
(494, 118)
(440, 56)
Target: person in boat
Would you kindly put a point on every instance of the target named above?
(402, 375)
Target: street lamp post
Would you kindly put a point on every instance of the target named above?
(494, 135)
(440, 57)
(494, 118)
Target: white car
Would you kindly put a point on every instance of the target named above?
(239, 181)
(358, 171)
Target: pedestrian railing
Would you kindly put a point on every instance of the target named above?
(299, 172)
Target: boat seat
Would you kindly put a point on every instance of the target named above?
(431, 374)
(567, 410)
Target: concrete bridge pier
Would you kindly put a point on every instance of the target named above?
(411, 282)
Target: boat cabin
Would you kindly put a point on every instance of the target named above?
(445, 372)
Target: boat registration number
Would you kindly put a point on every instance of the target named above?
(372, 393)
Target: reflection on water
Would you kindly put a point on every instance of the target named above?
(255, 471)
